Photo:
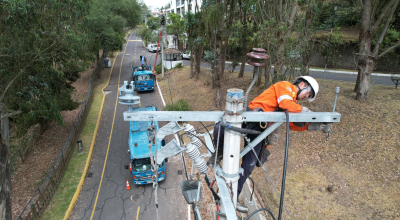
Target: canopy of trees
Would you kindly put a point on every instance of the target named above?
(44, 44)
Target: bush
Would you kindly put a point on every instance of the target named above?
(178, 66)
(180, 105)
(158, 68)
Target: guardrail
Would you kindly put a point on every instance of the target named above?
(395, 78)
(43, 194)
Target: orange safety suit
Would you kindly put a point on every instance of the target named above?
(283, 95)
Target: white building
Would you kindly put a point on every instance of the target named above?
(180, 7)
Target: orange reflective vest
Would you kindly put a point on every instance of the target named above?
(283, 95)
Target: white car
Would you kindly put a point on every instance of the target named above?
(186, 56)
(152, 47)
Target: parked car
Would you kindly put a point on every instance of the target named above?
(186, 56)
(152, 47)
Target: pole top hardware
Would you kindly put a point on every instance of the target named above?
(258, 57)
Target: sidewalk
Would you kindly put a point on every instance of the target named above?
(337, 71)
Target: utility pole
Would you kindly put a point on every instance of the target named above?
(234, 104)
(162, 53)
(162, 44)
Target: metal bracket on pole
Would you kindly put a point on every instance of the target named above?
(226, 200)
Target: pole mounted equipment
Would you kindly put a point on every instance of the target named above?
(257, 58)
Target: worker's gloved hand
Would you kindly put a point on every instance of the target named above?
(318, 126)
(326, 127)
(315, 126)
(305, 109)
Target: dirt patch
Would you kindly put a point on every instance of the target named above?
(46, 147)
(355, 175)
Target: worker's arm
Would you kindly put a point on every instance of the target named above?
(285, 98)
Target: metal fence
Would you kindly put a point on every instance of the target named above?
(43, 194)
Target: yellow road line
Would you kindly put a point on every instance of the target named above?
(137, 215)
(79, 188)
(109, 140)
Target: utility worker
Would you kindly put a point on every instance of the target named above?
(142, 60)
(280, 96)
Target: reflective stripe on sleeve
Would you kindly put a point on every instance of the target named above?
(282, 97)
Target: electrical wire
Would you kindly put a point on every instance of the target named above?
(284, 166)
(205, 127)
(183, 158)
(269, 178)
(197, 138)
(208, 132)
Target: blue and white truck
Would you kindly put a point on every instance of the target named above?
(144, 78)
(139, 151)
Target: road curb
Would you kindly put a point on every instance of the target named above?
(335, 71)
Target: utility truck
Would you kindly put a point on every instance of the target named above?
(139, 152)
(143, 78)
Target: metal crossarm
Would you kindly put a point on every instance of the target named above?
(259, 138)
(247, 116)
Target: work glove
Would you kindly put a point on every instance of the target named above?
(305, 109)
(318, 126)
(326, 127)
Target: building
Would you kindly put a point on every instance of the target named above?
(179, 7)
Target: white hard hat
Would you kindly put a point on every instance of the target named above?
(314, 85)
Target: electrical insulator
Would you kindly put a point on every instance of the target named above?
(191, 133)
(194, 154)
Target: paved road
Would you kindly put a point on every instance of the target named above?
(338, 75)
(114, 201)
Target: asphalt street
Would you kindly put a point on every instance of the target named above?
(319, 74)
(112, 200)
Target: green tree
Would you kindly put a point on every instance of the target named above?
(176, 27)
(106, 23)
(375, 21)
(41, 58)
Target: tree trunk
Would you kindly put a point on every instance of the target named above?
(191, 63)
(365, 66)
(5, 181)
(266, 72)
(365, 63)
(218, 74)
(280, 57)
(242, 66)
(199, 53)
